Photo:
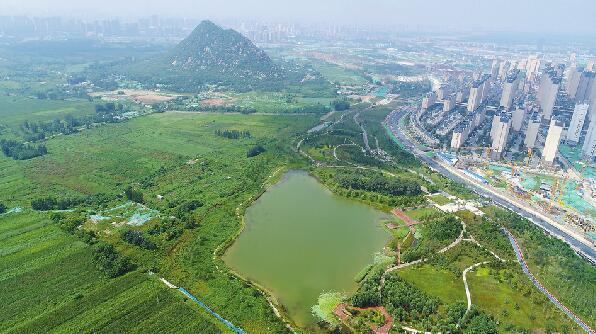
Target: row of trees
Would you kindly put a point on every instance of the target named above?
(2, 208)
(133, 194)
(340, 105)
(66, 126)
(109, 108)
(52, 203)
(104, 113)
(254, 151)
(233, 134)
(377, 183)
(138, 239)
(22, 151)
(108, 260)
(406, 302)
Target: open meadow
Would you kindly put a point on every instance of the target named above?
(184, 166)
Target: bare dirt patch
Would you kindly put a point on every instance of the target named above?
(136, 95)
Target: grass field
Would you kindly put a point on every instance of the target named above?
(566, 275)
(14, 110)
(419, 213)
(440, 199)
(518, 305)
(274, 102)
(437, 283)
(109, 157)
(55, 288)
(335, 73)
(176, 155)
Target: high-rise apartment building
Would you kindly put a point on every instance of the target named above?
(509, 90)
(517, 118)
(572, 81)
(547, 92)
(577, 122)
(429, 100)
(460, 134)
(532, 130)
(589, 147)
(501, 134)
(553, 139)
(475, 96)
(585, 85)
(449, 103)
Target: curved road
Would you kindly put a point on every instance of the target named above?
(583, 249)
(553, 299)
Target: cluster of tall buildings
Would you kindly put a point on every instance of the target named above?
(61, 27)
(546, 103)
(26, 27)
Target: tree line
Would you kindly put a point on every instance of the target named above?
(104, 113)
(21, 151)
(254, 151)
(340, 105)
(233, 134)
(377, 183)
(138, 239)
(52, 203)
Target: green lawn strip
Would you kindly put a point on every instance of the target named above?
(419, 213)
(436, 282)
(440, 199)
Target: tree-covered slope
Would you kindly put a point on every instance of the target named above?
(210, 48)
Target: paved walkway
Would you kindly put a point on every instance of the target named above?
(468, 295)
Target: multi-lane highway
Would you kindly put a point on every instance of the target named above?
(580, 246)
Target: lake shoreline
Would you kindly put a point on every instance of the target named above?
(218, 253)
(377, 237)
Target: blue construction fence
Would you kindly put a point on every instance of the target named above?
(206, 308)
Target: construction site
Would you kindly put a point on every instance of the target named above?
(567, 195)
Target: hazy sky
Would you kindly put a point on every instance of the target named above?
(562, 16)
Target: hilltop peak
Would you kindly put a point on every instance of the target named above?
(210, 48)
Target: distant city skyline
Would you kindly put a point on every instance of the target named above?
(531, 16)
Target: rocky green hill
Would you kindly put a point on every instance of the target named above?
(210, 50)
(210, 55)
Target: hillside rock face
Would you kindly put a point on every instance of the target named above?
(209, 48)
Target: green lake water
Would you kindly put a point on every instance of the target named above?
(301, 240)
